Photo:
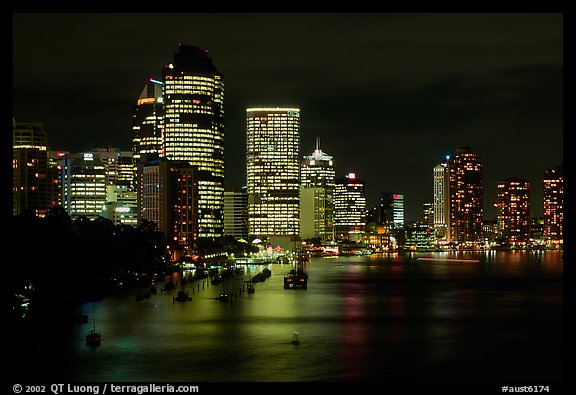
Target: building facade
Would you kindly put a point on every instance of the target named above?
(466, 197)
(168, 196)
(35, 178)
(236, 213)
(350, 208)
(513, 211)
(441, 202)
(392, 209)
(273, 171)
(193, 121)
(317, 183)
(148, 122)
(554, 205)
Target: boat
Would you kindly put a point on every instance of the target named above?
(93, 337)
(295, 338)
(296, 278)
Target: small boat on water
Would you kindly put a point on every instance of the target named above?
(295, 338)
(93, 337)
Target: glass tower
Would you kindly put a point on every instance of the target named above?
(273, 171)
(193, 108)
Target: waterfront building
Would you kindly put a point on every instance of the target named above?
(513, 211)
(193, 120)
(350, 209)
(428, 213)
(168, 196)
(466, 197)
(441, 184)
(317, 183)
(273, 171)
(35, 178)
(392, 209)
(236, 213)
(554, 205)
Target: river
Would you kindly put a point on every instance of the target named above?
(390, 318)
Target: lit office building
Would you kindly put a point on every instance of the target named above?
(236, 213)
(99, 182)
(35, 182)
(147, 122)
(84, 181)
(466, 197)
(273, 171)
(392, 209)
(554, 205)
(349, 207)
(317, 182)
(441, 202)
(193, 110)
(513, 211)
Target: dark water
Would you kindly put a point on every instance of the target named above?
(377, 318)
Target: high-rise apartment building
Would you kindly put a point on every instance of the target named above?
(317, 183)
(273, 171)
(466, 197)
(193, 118)
(169, 198)
(350, 209)
(513, 207)
(554, 205)
(35, 182)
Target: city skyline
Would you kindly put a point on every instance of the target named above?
(441, 81)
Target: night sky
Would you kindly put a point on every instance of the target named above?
(388, 94)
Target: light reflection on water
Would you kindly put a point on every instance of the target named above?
(362, 318)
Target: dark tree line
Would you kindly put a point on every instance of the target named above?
(56, 262)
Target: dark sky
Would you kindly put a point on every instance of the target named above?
(388, 94)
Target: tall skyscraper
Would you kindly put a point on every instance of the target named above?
(442, 201)
(514, 211)
(554, 205)
(466, 197)
(317, 185)
(147, 122)
(193, 110)
(273, 171)
(349, 207)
